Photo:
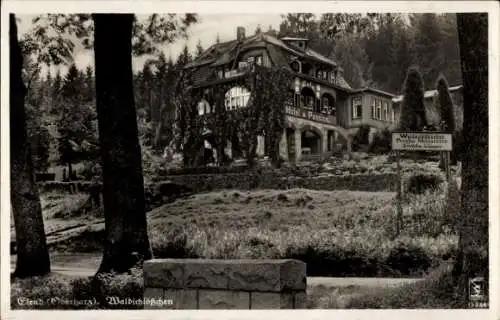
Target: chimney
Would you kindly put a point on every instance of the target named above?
(240, 33)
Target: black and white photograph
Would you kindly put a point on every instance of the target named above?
(195, 160)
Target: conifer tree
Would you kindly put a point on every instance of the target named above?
(199, 50)
(413, 117)
(446, 114)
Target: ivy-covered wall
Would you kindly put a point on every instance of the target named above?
(263, 115)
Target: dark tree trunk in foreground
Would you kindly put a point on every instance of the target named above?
(32, 253)
(123, 186)
(473, 243)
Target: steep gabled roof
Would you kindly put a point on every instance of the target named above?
(278, 50)
(221, 53)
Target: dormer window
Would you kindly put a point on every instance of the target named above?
(295, 65)
(299, 43)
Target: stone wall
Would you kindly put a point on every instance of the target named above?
(252, 180)
(224, 284)
(245, 181)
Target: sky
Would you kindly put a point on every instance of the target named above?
(205, 31)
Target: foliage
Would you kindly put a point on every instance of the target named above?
(52, 38)
(381, 142)
(62, 292)
(419, 182)
(428, 40)
(413, 117)
(76, 121)
(361, 138)
(436, 291)
(446, 106)
(353, 230)
(264, 115)
(376, 49)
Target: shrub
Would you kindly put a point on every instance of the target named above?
(91, 171)
(409, 259)
(436, 291)
(361, 138)
(382, 142)
(105, 291)
(420, 182)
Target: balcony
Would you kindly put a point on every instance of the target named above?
(308, 114)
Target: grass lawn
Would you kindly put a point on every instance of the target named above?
(337, 233)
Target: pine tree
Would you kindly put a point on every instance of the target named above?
(184, 57)
(147, 86)
(89, 84)
(258, 30)
(75, 116)
(199, 50)
(446, 106)
(447, 113)
(56, 93)
(413, 117)
(428, 46)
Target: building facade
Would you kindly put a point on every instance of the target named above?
(322, 110)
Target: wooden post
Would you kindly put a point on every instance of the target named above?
(399, 196)
(447, 165)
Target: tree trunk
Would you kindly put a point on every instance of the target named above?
(473, 231)
(127, 240)
(70, 171)
(32, 253)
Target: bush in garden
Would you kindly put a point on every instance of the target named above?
(361, 138)
(420, 182)
(382, 142)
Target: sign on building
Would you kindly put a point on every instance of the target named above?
(422, 141)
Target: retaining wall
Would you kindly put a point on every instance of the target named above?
(225, 284)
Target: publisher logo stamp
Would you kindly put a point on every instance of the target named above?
(478, 296)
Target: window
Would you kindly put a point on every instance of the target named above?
(236, 97)
(357, 108)
(393, 115)
(201, 108)
(386, 111)
(373, 109)
(325, 102)
(379, 109)
(258, 60)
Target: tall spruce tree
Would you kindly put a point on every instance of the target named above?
(446, 106)
(199, 50)
(428, 48)
(184, 57)
(413, 117)
(446, 114)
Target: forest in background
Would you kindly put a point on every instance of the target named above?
(374, 50)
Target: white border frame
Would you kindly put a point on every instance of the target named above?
(212, 7)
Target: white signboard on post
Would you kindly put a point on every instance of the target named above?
(418, 141)
(422, 141)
